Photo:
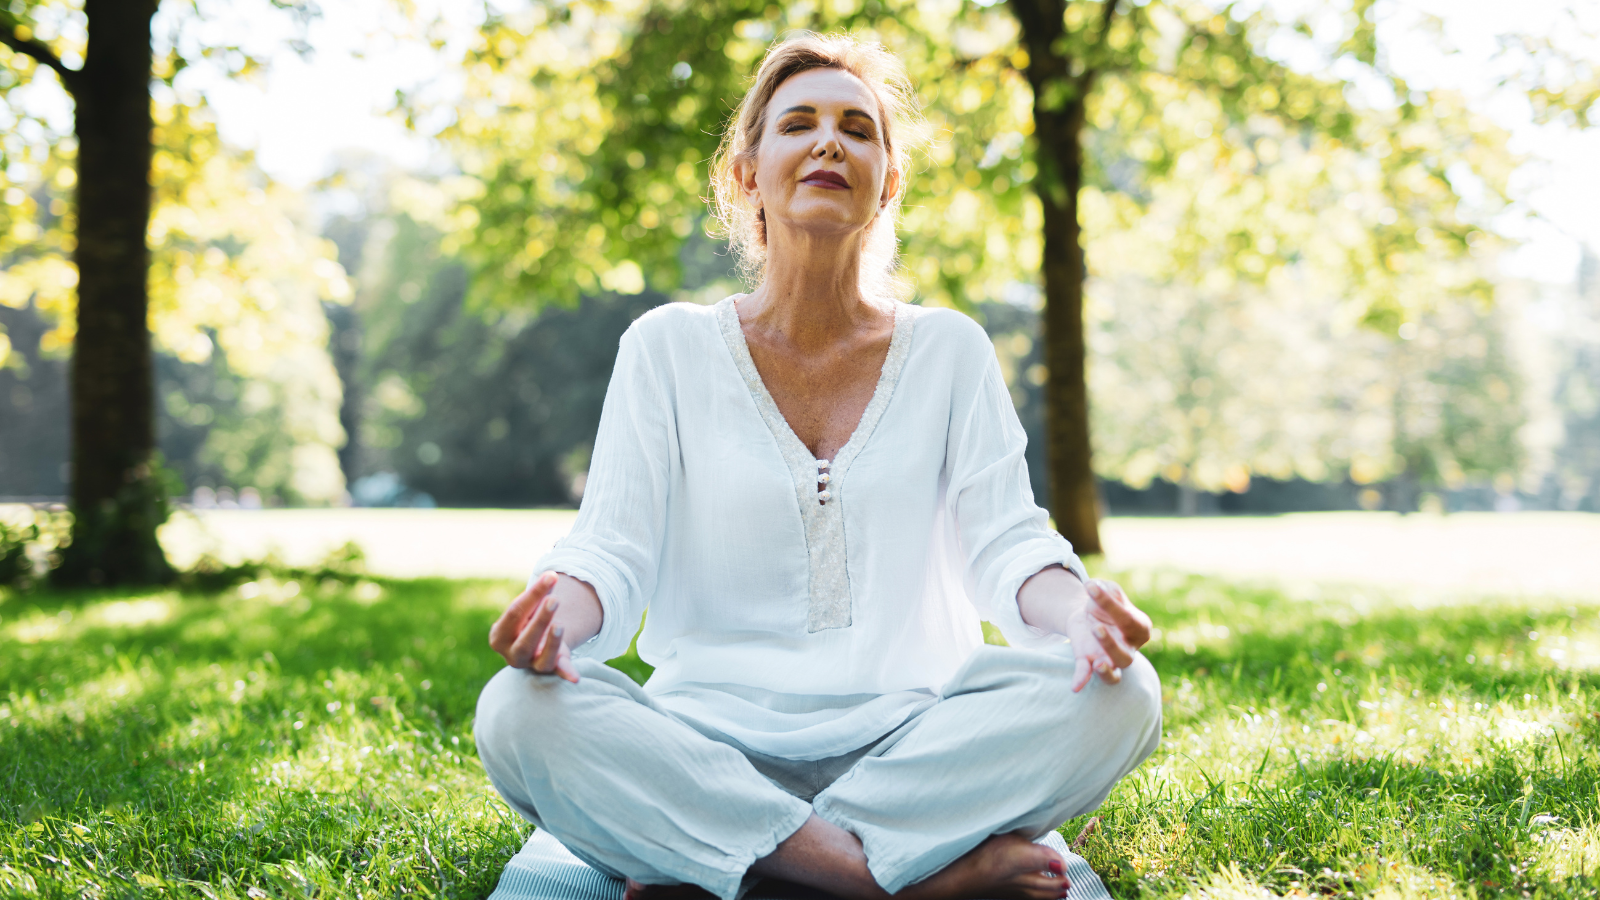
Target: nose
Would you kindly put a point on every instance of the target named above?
(828, 147)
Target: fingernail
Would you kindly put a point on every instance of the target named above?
(555, 605)
(1102, 667)
(559, 631)
(1100, 632)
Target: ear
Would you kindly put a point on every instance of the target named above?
(744, 171)
(891, 186)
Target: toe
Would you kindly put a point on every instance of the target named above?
(1047, 889)
(1045, 859)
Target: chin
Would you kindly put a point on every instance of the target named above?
(829, 219)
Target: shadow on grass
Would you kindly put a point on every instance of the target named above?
(1253, 643)
(1353, 825)
(317, 737)
(153, 749)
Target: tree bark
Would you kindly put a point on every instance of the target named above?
(345, 336)
(118, 499)
(1058, 119)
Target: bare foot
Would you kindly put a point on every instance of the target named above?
(1004, 867)
(637, 891)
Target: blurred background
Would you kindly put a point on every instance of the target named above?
(1343, 263)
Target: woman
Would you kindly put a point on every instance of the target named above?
(816, 490)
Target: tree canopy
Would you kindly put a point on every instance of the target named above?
(1219, 181)
(1272, 242)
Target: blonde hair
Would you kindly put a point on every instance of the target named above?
(885, 76)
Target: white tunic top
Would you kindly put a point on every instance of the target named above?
(805, 624)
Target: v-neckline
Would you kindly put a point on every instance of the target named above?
(865, 425)
(821, 511)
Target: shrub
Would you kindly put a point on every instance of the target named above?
(16, 567)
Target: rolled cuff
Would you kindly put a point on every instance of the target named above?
(1038, 555)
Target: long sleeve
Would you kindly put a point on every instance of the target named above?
(691, 510)
(1004, 535)
(615, 544)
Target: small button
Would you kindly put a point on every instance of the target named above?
(823, 496)
(823, 478)
(822, 464)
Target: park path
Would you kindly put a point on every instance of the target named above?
(1532, 553)
(1515, 553)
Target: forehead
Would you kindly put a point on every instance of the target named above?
(824, 88)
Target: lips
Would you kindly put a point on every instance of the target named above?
(825, 179)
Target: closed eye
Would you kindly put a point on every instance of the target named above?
(862, 134)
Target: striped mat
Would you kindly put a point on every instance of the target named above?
(545, 870)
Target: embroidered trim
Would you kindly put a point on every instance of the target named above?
(830, 599)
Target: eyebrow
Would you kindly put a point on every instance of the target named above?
(812, 110)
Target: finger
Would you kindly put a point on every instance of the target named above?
(533, 634)
(545, 622)
(510, 623)
(545, 662)
(1099, 661)
(1080, 674)
(1109, 598)
(1120, 654)
(504, 629)
(1126, 643)
(1107, 595)
(1091, 656)
(1106, 669)
(564, 666)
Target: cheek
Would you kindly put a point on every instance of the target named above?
(773, 167)
(878, 176)
(774, 190)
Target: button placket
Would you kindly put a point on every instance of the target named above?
(829, 583)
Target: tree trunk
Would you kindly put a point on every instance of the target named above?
(1188, 497)
(1058, 120)
(118, 498)
(344, 345)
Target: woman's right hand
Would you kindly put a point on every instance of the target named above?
(527, 635)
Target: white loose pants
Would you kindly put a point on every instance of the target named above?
(639, 793)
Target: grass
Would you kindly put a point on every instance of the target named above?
(283, 739)
(313, 738)
(1340, 744)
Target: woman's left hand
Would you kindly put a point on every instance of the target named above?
(1105, 632)
(1104, 626)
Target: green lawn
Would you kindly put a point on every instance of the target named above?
(313, 738)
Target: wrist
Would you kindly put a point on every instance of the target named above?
(1050, 598)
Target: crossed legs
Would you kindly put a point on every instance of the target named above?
(946, 807)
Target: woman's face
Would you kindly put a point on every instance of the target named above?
(822, 165)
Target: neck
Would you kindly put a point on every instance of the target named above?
(811, 292)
